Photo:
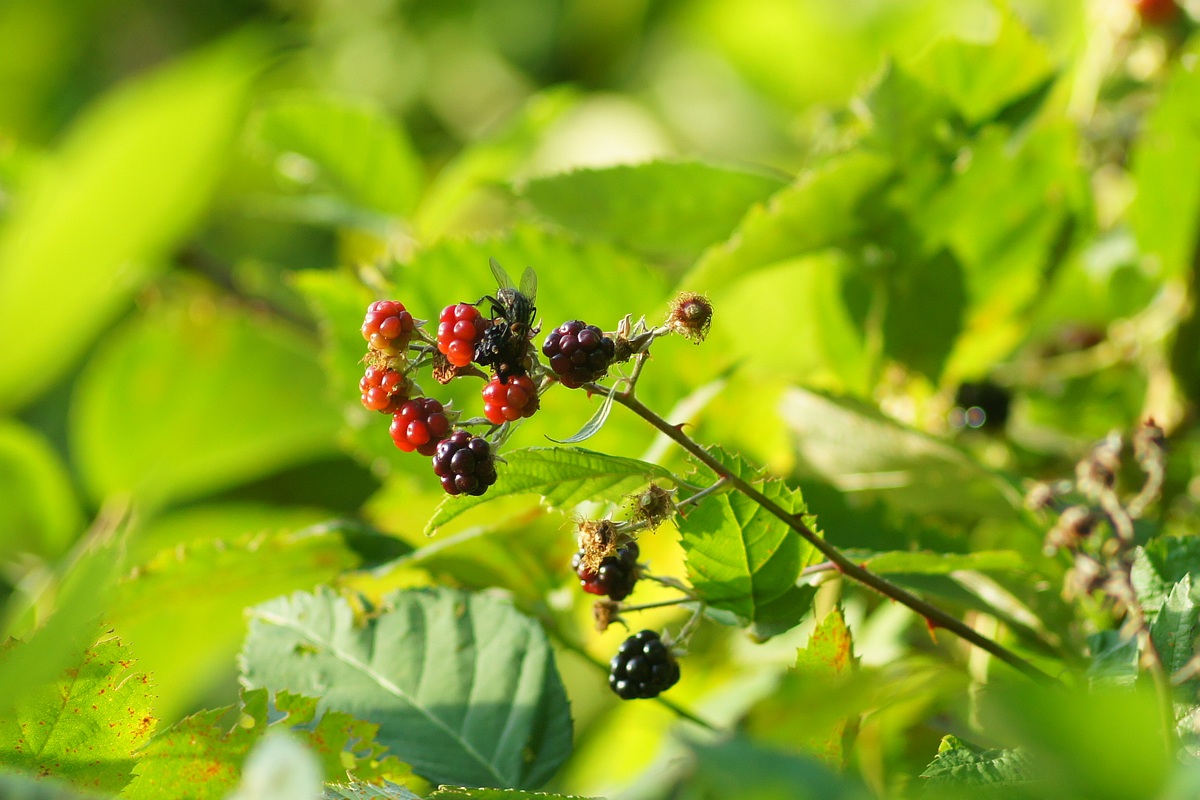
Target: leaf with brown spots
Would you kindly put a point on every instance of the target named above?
(198, 758)
(84, 727)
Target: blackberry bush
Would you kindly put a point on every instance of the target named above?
(464, 464)
(616, 576)
(578, 353)
(642, 668)
(419, 425)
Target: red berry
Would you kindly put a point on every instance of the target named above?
(459, 328)
(464, 464)
(616, 576)
(420, 424)
(505, 402)
(384, 389)
(387, 327)
(578, 353)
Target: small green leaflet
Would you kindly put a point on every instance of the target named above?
(563, 476)
(1174, 628)
(958, 766)
(463, 686)
(358, 790)
(84, 727)
(198, 759)
(463, 793)
(742, 559)
(828, 656)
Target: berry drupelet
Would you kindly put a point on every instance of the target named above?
(578, 353)
(511, 400)
(464, 464)
(643, 667)
(419, 424)
(616, 576)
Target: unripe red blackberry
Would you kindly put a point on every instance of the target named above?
(578, 353)
(505, 402)
(460, 327)
(643, 667)
(387, 327)
(617, 574)
(464, 464)
(419, 424)
(384, 389)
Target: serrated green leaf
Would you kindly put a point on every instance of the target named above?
(1175, 627)
(961, 768)
(198, 759)
(664, 208)
(357, 149)
(207, 585)
(189, 399)
(828, 656)
(463, 686)
(855, 448)
(928, 563)
(359, 790)
(1114, 659)
(40, 513)
(130, 179)
(742, 559)
(464, 793)
(85, 726)
(814, 213)
(563, 476)
(1160, 565)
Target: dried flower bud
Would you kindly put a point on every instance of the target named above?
(1086, 576)
(690, 316)
(605, 613)
(598, 539)
(653, 505)
(1040, 497)
(1097, 472)
(1149, 444)
(1074, 525)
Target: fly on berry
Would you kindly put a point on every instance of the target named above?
(505, 344)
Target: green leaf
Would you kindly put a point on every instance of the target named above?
(741, 558)
(359, 790)
(128, 182)
(965, 770)
(857, 449)
(982, 78)
(463, 686)
(197, 758)
(357, 149)
(193, 398)
(814, 213)
(19, 787)
(828, 656)
(925, 300)
(85, 726)
(740, 768)
(1175, 626)
(1160, 565)
(1114, 659)
(666, 208)
(464, 793)
(1166, 171)
(40, 512)
(563, 476)
(207, 585)
(929, 563)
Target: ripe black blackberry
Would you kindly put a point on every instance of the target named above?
(464, 464)
(578, 353)
(617, 574)
(643, 667)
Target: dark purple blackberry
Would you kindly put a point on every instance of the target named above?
(616, 576)
(464, 464)
(578, 353)
(642, 667)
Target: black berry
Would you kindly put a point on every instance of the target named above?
(615, 577)
(642, 667)
(464, 464)
(578, 353)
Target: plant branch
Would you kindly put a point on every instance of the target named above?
(935, 616)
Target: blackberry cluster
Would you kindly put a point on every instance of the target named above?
(384, 389)
(643, 667)
(419, 424)
(616, 576)
(388, 327)
(464, 464)
(578, 353)
(460, 328)
(511, 400)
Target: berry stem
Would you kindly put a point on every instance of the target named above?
(659, 604)
(935, 615)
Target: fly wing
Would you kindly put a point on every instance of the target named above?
(502, 279)
(529, 283)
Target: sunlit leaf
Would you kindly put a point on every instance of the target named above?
(464, 793)
(563, 476)
(85, 726)
(463, 686)
(929, 563)
(360, 790)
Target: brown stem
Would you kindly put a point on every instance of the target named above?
(933, 615)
